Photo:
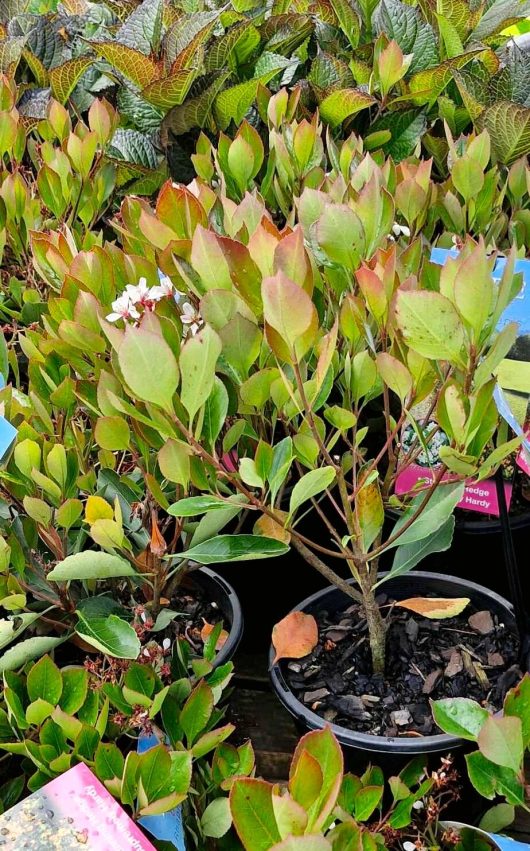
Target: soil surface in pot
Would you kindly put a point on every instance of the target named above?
(197, 615)
(473, 655)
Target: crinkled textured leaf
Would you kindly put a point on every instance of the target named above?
(34, 103)
(513, 80)
(342, 104)
(406, 127)
(64, 78)
(404, 24)
(171, 90)
(46, 43)
(134, 147)
(473, 90)
(143, 115)
(133, 64)
(195, 112)
(185, 31)
(240, 40)
(10, 53)
(192, 55)
(434, 80)
(143, 27)
(509, 129)
(463, 16)
(284, 33)
(327, 73)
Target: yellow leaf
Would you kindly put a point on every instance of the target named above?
(435, 607)
(270, 528)
(97, 508)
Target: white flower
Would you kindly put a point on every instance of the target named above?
(190, 317)
(397, 230)
(409, 846)
(123, 308)
(139, 294)
(163, 291)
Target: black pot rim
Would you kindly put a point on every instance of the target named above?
(230, 607)
(399, 746)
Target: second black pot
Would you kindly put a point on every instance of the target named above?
(390, 753)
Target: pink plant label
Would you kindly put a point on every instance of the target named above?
(481, 496)
(74, 812)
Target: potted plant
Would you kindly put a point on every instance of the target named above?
(306, 328)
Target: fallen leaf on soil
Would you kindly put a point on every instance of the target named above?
(269, 528)
(482, 622)
(295, 636)
(435, 607)
(495, 660)
(208, 629)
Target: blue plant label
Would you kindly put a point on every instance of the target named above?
(168, 826)
(8, 433)
(502, 843)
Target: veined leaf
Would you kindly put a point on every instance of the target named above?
(169, 91)
(64, 78)
(196, 111)
(344, 103)
(509, 127)
(133, 64)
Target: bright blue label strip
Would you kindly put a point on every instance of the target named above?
(167, 826)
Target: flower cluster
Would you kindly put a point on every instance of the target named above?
(127, 305)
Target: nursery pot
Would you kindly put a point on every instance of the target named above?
(219, 591)
(388, 752)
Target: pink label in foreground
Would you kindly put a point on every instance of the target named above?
(481, 496)
(74, 812)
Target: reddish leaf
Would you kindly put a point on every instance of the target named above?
(295, 636)
(208, 629)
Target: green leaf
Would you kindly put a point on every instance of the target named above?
(196, 712)
(409, 555)
(490, 779)
(508, 125)
(143, 28)
(310, 485)
(430, 325)
(149, 366)
(111, 635)
(253, 814)
(406, 25)
(90, 564)
(497, 818)
(217, 819)
(27, 650)
(193, 505)
(287, 308)
(435, 514)
(459, 716)
(196, 111)
(141, 679)
(174, 461)
(367, 800)
(517, 704)
(44, 681)
(342, 104)
(226, 548)
(501, 741)
(12, 627)
(155, 765)
(198, 360)
(406, 126)
(112, 433)
(75, 689)
(108, 761)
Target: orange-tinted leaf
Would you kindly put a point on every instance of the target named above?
(295, 636)
(136, 66)
(271, 528)
(208, 629)
(435, 607)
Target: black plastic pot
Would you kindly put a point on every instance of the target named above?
(389, 752)
(218, 590)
